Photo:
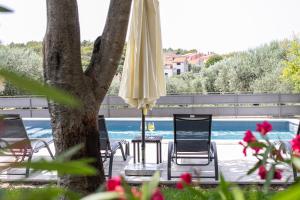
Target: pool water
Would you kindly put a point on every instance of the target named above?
(128, 129)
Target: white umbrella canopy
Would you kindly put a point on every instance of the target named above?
(143, 79)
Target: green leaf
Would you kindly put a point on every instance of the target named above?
(257, 144)
(150, 187)
(127, 189)
(296, 162)
(196, 192)
(47, 193)
(4, 9)
(69, 153)
(102, 196)
(266, 155)
(224, 188)
(38, 88)
(254, 168)
(237, 193)
(74, 167)
(270, 176)
(292, 193)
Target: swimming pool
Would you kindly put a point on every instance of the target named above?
(222, 129)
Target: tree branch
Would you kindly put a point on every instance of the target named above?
(108, 47)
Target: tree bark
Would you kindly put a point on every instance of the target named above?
(63, 69)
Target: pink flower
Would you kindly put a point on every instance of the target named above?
(278, 174)
(112, 183)
(264, 127)
(157, 195)
(186, 178)
(296, 145)
(244, 149)
(120, 190)
(179, 186)
(136, 193)
(249, 137)
(262, 172)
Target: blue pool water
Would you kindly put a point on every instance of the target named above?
(128, 129)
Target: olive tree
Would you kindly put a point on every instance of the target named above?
(63, 69)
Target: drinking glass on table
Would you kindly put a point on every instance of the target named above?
(151, 128)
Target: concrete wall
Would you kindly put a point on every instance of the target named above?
(277, 105)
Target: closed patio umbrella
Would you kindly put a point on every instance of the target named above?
(143, 80)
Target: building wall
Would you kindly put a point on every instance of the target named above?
(168, 72)
(183, 67)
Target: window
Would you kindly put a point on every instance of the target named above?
(178, 63)
(178, 71)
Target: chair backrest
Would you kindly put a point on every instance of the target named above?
(13, 130)
(104, 139)
(192, 133)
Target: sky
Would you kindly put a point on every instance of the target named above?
(221, 26)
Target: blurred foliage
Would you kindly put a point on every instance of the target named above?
(46, 193)
(86, 53)
(38, 88)
(5, 9)
(213, 59)
(270, 68)
(180, 51)
(291, 71)
(22, 60)
(256, 70)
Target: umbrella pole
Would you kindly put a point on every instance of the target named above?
(143, 137)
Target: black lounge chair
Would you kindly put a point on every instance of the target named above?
(192, 140)
(109, 147)
(14, 142)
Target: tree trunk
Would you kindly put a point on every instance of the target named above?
(63, 69)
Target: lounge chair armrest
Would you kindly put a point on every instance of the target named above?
(5, 142)
(287, 146)
(213, 147)
(124, 142)
(37, 142)
(45, 143)
(114, 146)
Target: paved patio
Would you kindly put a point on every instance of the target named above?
(232, 164)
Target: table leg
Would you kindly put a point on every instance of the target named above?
(157, 153)
(160, 157)
(134, 161)
(138, 151)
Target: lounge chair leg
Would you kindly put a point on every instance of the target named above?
(28, 167)
(170, 152)
(127, 149)
(123, 153)
(51, 154)
(111, 159)
(214, 148)
(294, 173)
(288, 149)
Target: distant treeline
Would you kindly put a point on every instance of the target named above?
(270, 68)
